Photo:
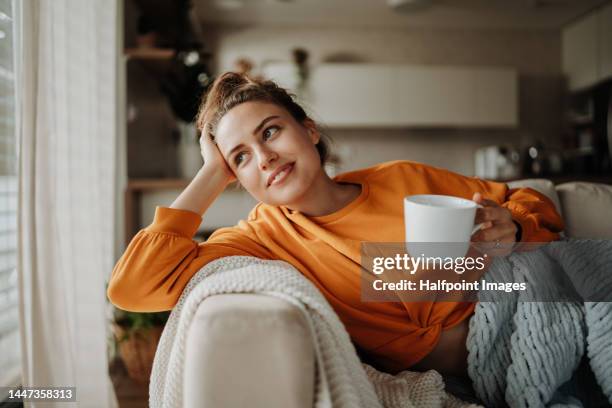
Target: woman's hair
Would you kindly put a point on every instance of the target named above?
(231, 89)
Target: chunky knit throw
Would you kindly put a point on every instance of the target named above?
(522, 351)
(342, 381)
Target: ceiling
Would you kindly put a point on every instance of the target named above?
(476, 14)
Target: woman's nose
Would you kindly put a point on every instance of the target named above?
(266, 158)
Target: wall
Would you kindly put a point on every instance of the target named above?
(534, 53)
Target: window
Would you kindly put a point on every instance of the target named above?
(10, 355)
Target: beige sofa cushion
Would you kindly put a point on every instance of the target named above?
(249, 350)
(587, 209)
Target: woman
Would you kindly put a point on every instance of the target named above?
(254, 132)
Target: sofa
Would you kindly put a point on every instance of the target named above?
(257, 351)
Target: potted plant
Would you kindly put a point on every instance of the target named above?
(137, 336)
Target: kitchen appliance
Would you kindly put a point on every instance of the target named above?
(497, 163)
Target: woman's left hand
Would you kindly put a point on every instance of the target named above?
(498, 228)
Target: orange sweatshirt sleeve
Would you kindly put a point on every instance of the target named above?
(159, 261)
(536, 213)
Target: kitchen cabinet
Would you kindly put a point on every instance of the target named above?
(580, 52)
(587, 49)
(382, 95)
(496, 97)
(353, 96)
(433, 96)
(605, 36)
(455, 96)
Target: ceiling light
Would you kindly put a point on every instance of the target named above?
(191, 58)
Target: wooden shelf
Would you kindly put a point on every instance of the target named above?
(156, 184)
(137, 187)
(149, 53)
(133, 195)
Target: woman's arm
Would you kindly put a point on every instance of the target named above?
(535, 213)
(159, 261)
(524, 215)
(532, 211)
(208, 183)
(202, 191)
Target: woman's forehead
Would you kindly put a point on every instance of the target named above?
(240, 121)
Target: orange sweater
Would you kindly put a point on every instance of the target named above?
(161, 258)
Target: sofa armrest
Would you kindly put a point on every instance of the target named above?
(249, 350)
(586, 208)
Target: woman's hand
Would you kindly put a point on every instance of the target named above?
(208, 183)
(213, 158)
(498, 229)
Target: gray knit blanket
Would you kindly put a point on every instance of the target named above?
(522, 351)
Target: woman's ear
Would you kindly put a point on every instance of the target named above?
(313, 132)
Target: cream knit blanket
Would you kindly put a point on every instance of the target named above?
(342, 381)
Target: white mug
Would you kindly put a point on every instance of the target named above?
(445, 220)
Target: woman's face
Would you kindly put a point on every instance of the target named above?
(272, 155)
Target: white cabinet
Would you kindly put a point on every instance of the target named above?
(455, 96)
(433, 96)
(580, 52)
(285, 75)
(587, 49)
(355, 95)
(379, 95)
(496, 97)
(605, 46)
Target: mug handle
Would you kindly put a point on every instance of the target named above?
(477, 227)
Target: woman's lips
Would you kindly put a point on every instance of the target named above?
(281, 175)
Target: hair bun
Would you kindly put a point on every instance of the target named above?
(232, 88)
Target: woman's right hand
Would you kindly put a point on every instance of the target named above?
(213, 158)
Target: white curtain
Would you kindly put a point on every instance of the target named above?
(66, 107)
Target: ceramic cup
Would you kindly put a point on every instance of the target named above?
(439, 225)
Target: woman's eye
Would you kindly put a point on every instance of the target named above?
(270, 131)
(239, 158)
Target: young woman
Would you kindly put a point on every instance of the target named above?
(254, 132)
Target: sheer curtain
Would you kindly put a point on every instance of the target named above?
(10, 356)
(66, 85)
